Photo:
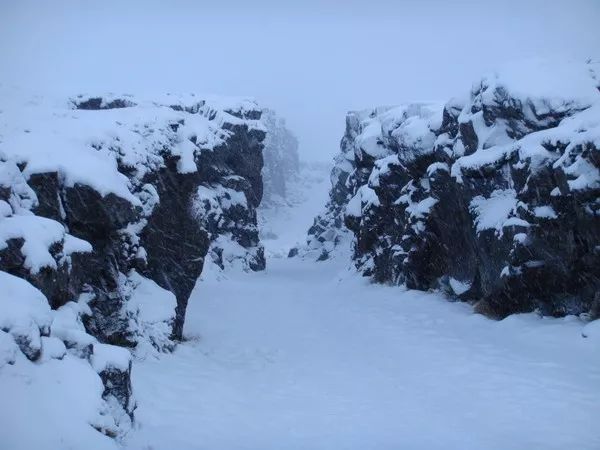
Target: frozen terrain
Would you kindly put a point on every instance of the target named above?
(311, 356)
(284, 221)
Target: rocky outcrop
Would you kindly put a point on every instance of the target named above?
(328, 230)
(109, 205)
(494, 197)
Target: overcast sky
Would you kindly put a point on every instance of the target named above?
(311, 61)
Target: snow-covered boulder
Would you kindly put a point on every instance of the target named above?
(493, 197)
(55, 339)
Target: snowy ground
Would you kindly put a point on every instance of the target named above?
(284, 223)
(309, 356)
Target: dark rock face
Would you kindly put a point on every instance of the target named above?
(494, 199)
(117, 385)
(167, 182)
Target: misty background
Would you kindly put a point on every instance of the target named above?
(311, 61)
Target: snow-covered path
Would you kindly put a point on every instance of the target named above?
(310, 356)
(297, 358)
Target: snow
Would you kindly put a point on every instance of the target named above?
(213, 199)
(515, 222)
(459, 287)
(5, 209)
(554, 84)
(73, 244)
(436, 166)
(24, 313)
(68, 327)
(304, 355)
(421, 209)
(481, 158)
(382, 167)
(153, 303)
(364, 198)
(544, 89)
(93, 143)
(151, 310)
(416, 134)
(310, 355)
(298, 358)
(56, 404)
(410, 125)
(369, 141)
(493, 212)
(592, 331)
(52, 348)
(233, 255)
(545, 212)
(283, 226)
(8, 349)
(39, 234)
(106, 357)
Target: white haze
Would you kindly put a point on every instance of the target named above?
(311, 61)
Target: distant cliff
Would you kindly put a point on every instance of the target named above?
(282, 163)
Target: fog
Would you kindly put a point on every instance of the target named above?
(311, 61)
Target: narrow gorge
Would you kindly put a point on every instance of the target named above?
(175, 273)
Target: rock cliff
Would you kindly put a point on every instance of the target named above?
(108, 208)
(493, 197)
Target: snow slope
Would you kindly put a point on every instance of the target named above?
(309, 355)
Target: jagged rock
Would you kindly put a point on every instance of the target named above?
(494, 198)
(328, 229)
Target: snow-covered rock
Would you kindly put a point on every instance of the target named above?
(55, 340)
(24, 314)
(94, 187)
(493, 197)
(108, 206)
